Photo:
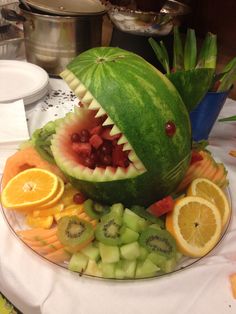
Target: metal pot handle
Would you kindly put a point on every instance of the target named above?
(11, 15)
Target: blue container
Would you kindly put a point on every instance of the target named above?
(206, 113)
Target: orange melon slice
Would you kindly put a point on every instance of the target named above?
(25, 159)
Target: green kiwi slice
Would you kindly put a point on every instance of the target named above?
(94, 209)
(108, 230)
(158, 240)
(74, 233)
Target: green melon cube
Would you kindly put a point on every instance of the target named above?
(143, 253)
(130, 251)
(146, 269)
(118, 209)
(133, 221)
(108, 270)
(109, 253)
(119, 271)
(78, 262)
(128, 235)
(155, 226)
(91, 252)
(166, 265)
(129, 268)
(93, 269)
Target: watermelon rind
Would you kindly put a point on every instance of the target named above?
(139, 101)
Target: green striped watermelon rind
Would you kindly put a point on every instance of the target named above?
(139, 101)
(192, 85)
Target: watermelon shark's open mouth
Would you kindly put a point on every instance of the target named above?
(89, 146)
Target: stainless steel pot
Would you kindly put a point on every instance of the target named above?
(51, 41)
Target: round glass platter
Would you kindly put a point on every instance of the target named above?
(16, 222)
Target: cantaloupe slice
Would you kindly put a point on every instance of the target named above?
(37, 234)
(58, 256)
(206, 168)
(47, 249)
(25, 159)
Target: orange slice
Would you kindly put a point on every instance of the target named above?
(195, 223)
(58, 196)
(49, 211)
(29, 188)
(39, 222)
(213, 193)
(69, 211)
(69, 192)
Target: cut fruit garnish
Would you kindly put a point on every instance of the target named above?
(211, 192)
(30, 188)
(196, 225)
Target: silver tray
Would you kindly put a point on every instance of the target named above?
(131, 20)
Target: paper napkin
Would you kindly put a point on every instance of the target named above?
(13, 129)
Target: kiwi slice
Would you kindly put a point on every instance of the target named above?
(108, 230)
(94, 209)
(142, 212)
(74, 233)
(158, 240)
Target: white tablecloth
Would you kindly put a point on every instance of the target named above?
(37, 286)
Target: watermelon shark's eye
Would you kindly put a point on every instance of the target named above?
(170, 128)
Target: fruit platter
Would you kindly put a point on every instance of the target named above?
(116, 189)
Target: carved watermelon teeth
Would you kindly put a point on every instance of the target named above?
(73, 167)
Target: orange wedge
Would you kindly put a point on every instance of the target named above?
(69, 192)
(195, 223)
(213, 193)
(49, 211)
(39, 222)
(29, 188)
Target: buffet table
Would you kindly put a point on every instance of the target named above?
(36, 286)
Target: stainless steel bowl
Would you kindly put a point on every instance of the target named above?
(138, 22)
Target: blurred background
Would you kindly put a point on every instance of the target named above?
(125, 23)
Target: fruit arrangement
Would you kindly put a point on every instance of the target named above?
(114, 189)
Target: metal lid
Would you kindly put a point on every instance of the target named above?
(68, 7)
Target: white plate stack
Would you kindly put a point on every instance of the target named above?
(22, 80)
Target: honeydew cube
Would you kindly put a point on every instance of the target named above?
(108, 269)
(91, 252)
(109, 253)
(118, 209)
(166, 265)
(133, 221)
(93, 269)
(143, 253)
(78, 262)
(128, 235)
(146, 268)
(129, 268)
(130, 251)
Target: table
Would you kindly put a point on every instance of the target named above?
(36, 286)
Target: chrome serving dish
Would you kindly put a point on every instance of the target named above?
(131, 20)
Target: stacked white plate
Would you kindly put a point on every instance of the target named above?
(22, 80)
